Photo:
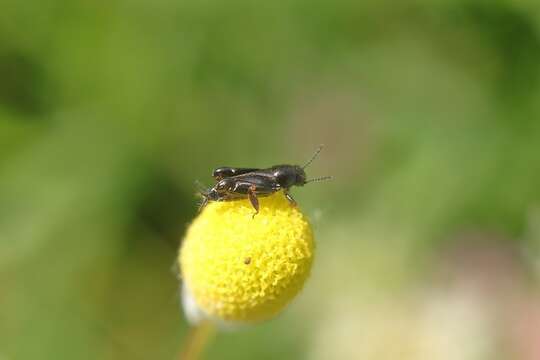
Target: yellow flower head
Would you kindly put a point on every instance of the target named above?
(244, 269)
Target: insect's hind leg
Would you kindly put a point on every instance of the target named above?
(253, 199)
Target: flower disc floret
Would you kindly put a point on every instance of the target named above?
(241, 268)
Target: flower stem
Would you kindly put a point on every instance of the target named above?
(197, 338)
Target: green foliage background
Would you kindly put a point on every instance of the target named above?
(110, 110)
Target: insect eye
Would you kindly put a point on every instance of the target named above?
(213, 194)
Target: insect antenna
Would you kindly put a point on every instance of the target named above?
(200, 187)
(202, 192)
(319, 179)
(313, 157)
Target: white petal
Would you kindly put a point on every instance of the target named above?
(194, 314)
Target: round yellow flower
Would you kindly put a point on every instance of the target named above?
(240, 268)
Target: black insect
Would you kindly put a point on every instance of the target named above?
(240, 183)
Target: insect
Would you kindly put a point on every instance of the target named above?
(240, 183)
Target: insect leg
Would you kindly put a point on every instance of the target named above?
(253, 199)
(290, 198)
(203, 203)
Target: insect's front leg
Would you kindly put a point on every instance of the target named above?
(203, 203)
(289, 197)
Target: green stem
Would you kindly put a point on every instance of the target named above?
(197, 338)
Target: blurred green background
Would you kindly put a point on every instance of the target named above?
(428, 237)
